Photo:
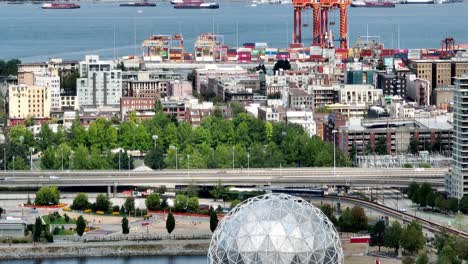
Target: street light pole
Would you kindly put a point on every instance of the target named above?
(233, 157)
(334, 153)
(119, 158)
(62, 158)
(176, 157)
(13, 162)
(155, 138)
(188, 164)
(4, 159)
(31, 150)
(248, 163)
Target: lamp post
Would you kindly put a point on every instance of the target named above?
(119, 158)
(31, 150)
(233, 157)
(4, 159)
(334, 131)
(248, 163)
(62, 157)
(155, 138)
(188, 164)
(176, 158)
(13, 162)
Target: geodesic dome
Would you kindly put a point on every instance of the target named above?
(275, 229)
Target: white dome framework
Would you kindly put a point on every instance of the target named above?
(275, 229)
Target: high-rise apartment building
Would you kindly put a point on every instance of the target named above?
(100, 83)
(53, 85)
(457, 179)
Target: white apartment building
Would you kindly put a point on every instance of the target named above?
(359, 94)
(304, 119)
(456, 183)
(53, 85)
(100, 84)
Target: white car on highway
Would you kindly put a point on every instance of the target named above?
(402, 210)
(54, 178)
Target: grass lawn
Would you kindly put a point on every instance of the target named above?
(58, 220)
(66, 232)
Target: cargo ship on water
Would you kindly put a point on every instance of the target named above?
(60, 6)
(417, 2)
(139, 4)
(196, 4)
(372, 4)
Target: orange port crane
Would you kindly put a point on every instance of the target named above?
(320, 10)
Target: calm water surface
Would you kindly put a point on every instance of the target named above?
(130, 260)
(30, 33)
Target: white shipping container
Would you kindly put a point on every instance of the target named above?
(315, 51)
(262, 45)
(244, 50)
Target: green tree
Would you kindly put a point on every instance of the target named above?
(47, 195)
(422, 194)
(80, 202)
(234, 203)
(452, 204)
(392, 236)
(78, 134)
(129, 204)
(103, 203)
(217, 191)
(170, 223)
(422, 258)
(430, 199)
(447, 255)
(81, 158)
(413, 190)
(153, 201)
(192, 204)
(80, 225)
(213, 220)
(191, 190)
(377, 234)
(381, 146)
(413, 147)
(180, 203)
(329, 211)
(464, 205)
(125, 228)
(155, 158)
(407, 260)
(412, 238)
(37, 230)
(359, 218)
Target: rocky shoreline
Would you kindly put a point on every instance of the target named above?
(105, 249)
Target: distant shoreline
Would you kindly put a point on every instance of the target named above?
(105, 249)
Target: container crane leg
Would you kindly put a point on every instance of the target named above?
(343, 27)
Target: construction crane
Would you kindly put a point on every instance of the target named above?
(447, 47)
(161, 47)
(322, 36)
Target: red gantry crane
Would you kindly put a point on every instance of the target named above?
(320, 10)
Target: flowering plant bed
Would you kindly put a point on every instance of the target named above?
(60, 205)
(184, 214)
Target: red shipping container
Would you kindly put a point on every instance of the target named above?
(362, 239)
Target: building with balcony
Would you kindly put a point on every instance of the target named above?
(100, 84)
(457, 179)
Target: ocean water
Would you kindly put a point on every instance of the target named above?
(129, 260)
(31, 33)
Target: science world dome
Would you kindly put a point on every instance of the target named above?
(275, 229)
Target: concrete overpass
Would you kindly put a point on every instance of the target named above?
(288, 177)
